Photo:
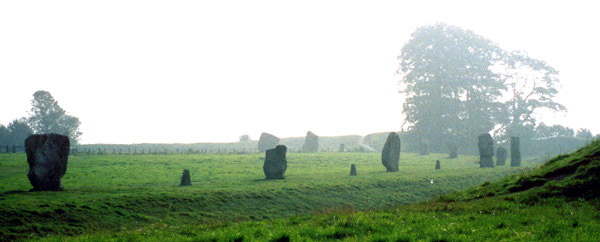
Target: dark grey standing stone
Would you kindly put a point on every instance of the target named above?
(186, 180)
(452, 150)
(267, 141)
(438, 165)
(486, 150)
(515, 151)
(390, 155)
(424, 148)
(353, 170)
(47, 156)
(275, 162)
(311, 143)
(501, 155)
(342, 147)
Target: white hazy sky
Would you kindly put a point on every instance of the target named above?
(200, 71)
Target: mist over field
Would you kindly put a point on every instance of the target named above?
(307, 121)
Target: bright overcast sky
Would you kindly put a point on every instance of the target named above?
(210, 71)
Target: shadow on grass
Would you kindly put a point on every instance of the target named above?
(12, 192)
(266, 180)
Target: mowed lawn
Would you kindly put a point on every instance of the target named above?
(122, 192)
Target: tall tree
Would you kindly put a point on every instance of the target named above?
(19, 130)
(450, 88)
(48, 117)
(531, 86)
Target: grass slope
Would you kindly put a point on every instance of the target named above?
(557, 202)
(113, 193)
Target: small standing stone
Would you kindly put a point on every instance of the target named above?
(185, 178)
(47, 156)
(342, 147)
(438, 165)
(424, 148)
(353, 170)
(501, 155)
(390, 155)
(486, 150)
(275, 162)
(452, 150)
(311, 143)
(267, 141)
(515, 151)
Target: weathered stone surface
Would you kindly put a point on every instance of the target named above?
(486, 150)
(267, 141)
(438, 165)
(186, 180)
(515, 151)
(342, 148)
(390, 155)
(353, 170)
(311, 143)
(275, 162)
(501, 155)
(47, 156)
(452, 150)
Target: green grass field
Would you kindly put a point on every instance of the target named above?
(126, 192)
(136, 198)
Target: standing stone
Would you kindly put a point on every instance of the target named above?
(390, 155)
(486, 150)
(501, 155)
(186, 180)
(267, 141)
(353, 170)
(438, 165)
(311, 143)
(424, 148)
(452, 150)
(342, 147)
(47, 156)
(515, 151)
(275, 162)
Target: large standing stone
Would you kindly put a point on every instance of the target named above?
(353, 170)
(342, 148)
(515, 151)
(311, 143)
(47, 156)
(452, 150)
(267, 141)
(275, 162)
(501, 155)
(186, 180)
(486, 150)
(438, 165)
(390, 155)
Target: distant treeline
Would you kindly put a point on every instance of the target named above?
(294, 144)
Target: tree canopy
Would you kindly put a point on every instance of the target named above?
(48, 117)
(15, 133)
(458, 85)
